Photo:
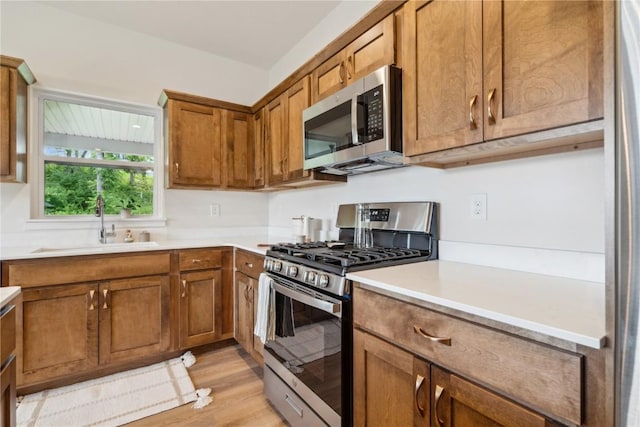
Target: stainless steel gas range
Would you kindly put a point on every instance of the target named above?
(309, 360)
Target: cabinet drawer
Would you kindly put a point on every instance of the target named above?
(7, 332)
(200, 259)
(545, 378)
(249, 263)
(90, 268)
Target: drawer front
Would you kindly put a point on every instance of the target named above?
(200, 259)
(64, 270)
(249, 263)
(539, 376)
(7, 332)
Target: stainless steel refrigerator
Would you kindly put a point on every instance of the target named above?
(627, 402)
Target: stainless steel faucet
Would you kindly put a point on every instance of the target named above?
(104, 235)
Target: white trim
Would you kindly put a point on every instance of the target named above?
(37, 158)
(89, 223)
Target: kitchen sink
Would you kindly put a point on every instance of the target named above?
(108, 247)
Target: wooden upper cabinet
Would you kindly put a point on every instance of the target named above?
(195, 145)
(259, 149)
(477, 71)
(284, 134)
(15, 76)
(442, 75)
(240, 151)
(543, 65)
(371, 50)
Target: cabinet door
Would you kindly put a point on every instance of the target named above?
(460, 403)
(244, 311)
(8, 394)
(371, 50)
(391, 386)
(13, 126)
(238, 133)
(200, 307)
(329, 77)
(7, 113)
(258, 347)
(442, 75)
(134, 318)
(195, 145)
(259, 153)
(543, 65)
(57, 332)
(296, 99)
(275, 140)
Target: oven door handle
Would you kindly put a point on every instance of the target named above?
(326, 306)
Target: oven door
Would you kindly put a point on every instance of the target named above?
(308, 352)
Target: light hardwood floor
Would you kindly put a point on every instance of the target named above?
(235, 380)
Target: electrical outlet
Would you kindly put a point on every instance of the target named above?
(214, 209)
(479, 206)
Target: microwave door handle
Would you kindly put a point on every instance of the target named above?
(354, 119)
(326, 306)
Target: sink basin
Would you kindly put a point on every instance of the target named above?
(108, 247)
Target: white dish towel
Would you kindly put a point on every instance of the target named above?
(265, 316)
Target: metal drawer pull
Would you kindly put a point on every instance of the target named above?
(472, 120)
(104, 299)
(491, 118)
(436, 415)
(196, 261)
(91, 294)
(249, 264)
(340, 72)
(350, 65)
(293, 405)
(419, 382)
(442, 340)
(177, 169)
(184, 288)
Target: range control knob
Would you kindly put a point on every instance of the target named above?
(277, 266)
(292, 271)
(323, 280)
(310, 277)
(268, 264)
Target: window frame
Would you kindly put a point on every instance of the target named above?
(37, 159)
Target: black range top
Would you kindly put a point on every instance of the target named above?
(340, 257)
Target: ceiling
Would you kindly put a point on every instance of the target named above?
(258, 33)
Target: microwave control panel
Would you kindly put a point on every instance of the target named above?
(372, 101)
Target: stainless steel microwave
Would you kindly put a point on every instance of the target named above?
(359, 128)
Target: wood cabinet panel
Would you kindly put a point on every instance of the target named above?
(8, 394)
(57, 332)
(57, 271)
(545, 62)
(7, 331)
(244, 311)
(515, 366)
(460, 403)
(7, 117)
(200, 259)
(259, 149)
(240, 151)
(329, 77)
(200, 307)
(391, 386)
(275, 141)
(249, 263)
(195, 145)
(134, 318)
(442, 87)
(297, 99)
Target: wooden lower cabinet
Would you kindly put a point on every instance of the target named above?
(248, 268)
(391, 386)
(8, 364)
(200, 307)
(57, 332)
(143, 302)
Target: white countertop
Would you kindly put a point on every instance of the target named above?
(257, 244)
(568, 309)
(7, 293)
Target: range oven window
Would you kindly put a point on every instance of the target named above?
(308, 344)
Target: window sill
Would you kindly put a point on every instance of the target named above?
(84, 223)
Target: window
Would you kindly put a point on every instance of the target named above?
(88, 147)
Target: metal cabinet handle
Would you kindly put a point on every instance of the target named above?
(196, 261)
(250, 297)
(104, 298)
(492, 117)
(442, 340)
(177, 166)
(91, 296)
(249, 264)
(472, 120)
(184, 288)
(350, 65)
(436, 414)
(419, 383)
(341, 73)
(291, 403)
